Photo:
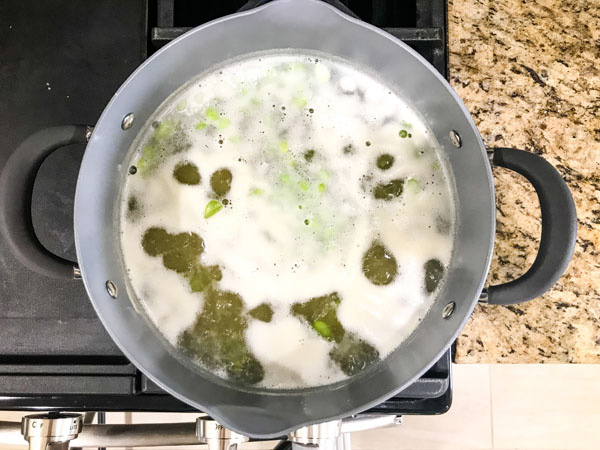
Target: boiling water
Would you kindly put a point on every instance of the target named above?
(286, 220)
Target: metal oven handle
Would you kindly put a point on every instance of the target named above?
(16, 188)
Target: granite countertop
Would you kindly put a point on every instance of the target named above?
(529, 72)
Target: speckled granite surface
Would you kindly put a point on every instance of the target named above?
(529, 72)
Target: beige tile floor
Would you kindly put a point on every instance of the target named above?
(495, 407)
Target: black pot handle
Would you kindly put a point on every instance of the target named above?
(559, 227)
(16, 189)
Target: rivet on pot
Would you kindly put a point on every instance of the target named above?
(111, 288)
(127, 121)
(455, 139)
(448, 310)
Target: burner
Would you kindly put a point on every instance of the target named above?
(54, 352)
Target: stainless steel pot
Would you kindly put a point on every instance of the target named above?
(284, 24)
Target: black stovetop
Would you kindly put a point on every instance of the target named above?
(60, 63)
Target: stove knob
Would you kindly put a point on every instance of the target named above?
(51, 431)
(216, 436)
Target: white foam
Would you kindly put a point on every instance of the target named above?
(266, 251)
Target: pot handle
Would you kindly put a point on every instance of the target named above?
(16, 189)
(559, 228)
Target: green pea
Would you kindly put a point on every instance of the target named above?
(324, 310)
(223, 123)
(412, 185)
(322, 328)
(211, 113)
(403, 133)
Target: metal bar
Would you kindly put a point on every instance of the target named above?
(416, 34)
(137, 435)
(370, 422)
(163, 35)
(165, 13)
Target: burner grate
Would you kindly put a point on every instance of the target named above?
(54, 352)
(419, 23)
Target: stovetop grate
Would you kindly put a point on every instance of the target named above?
(54, 352)
(419, 23)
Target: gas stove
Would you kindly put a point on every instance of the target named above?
(61, 63)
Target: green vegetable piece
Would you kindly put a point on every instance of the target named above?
(385, 161)
(212, 207)
(434, 272)
(403, 133)
(202, 277)
(262, 312)
(257, 191)
(200, 126)
(321, 188)
(300, 102)
(211, 114)
(148, 159)
(180, 252)
(303, 185)
(283, 147)
(379, 264)
(285, 178)
(309, 155)
(220, 181)
(353, 355)
(322, 328)
(168, 138)
(223, 123)
(306, 222)
(187, 173)
(412, 186)
(217, 338)
(298, 66)
(164, 130)
(322, 309)
(388, 191)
